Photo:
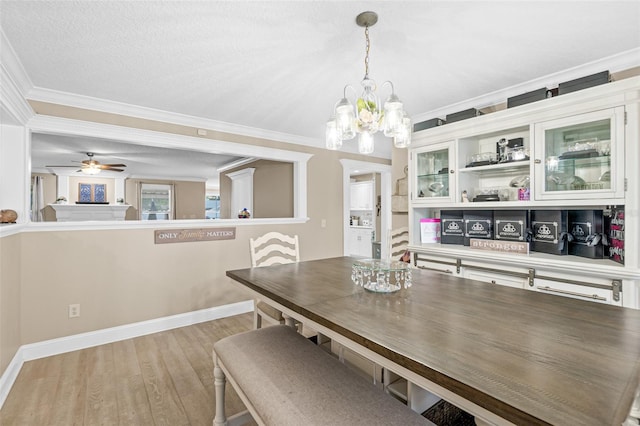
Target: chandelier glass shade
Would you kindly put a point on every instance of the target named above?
(368, 116)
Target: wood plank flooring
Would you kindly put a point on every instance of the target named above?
(159, 379)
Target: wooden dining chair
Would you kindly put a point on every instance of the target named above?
(272, 248)
(398, 241)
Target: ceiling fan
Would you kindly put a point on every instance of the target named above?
(92, 167)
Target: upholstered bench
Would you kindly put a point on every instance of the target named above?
(284, 379)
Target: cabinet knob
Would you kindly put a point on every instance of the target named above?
(537, 161)
(451, 171)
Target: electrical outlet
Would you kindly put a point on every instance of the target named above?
(74, 310)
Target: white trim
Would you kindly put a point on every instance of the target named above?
(235, 164)
(10, 375)
(7, 230)
(120, 108)
(242, 189)
(14, 68)
(615, 63)
(65, 126)
(14, 107)
(109, 335)
(112, 107)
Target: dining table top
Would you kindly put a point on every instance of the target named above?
(527, 357)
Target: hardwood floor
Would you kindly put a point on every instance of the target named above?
(160, 379)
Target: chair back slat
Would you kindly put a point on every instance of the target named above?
(274, 248)
(398, 242)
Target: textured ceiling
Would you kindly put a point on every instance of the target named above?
(281, 65)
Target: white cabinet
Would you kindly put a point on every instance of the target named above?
(362, 195)
(433, 173)
(580, 157)
(577, 151)
(360, 242)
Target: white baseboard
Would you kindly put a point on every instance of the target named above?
(9, 376)
(109, 335)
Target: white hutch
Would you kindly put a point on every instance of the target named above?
(605, 118)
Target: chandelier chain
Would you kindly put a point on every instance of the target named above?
(366, 56)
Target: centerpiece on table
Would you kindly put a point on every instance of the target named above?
(381, 276)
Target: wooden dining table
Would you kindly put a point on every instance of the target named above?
(505, 355)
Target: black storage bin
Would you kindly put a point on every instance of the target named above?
(586, 227)
(451, 227)
(463, 115)
(477, 224)
(434, 122)
(583, 82)
(549, 231)
(511, 225)
(525, 98)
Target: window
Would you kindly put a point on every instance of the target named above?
(212, 207)
(156, 201)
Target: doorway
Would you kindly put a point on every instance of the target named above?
(353, 168)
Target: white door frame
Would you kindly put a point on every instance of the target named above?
(352, 167)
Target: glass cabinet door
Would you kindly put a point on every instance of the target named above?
(433, 174)
(581, 157)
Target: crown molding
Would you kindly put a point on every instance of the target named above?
(615, 63)
(14, 109)
(16, 71)
(14, 83)
(57, 125)
(112, 107)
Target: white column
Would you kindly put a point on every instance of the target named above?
(14, 171)
(62, 187)
(242, 190)
(119, 188)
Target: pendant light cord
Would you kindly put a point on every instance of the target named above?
(366, 56)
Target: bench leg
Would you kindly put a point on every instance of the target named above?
(257, 319)
(290, 321)
(219, 383)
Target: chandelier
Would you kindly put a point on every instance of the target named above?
(368, 117)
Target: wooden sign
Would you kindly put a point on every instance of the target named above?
(166, 236)
(502, 246)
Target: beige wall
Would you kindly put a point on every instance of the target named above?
(75, 181)
(272, 190)
(121, 276)
(10, 279)
(49, 187)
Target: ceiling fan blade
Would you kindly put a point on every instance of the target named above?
(61, 166)
(114, 170)
(114, 165)
(105, 166)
